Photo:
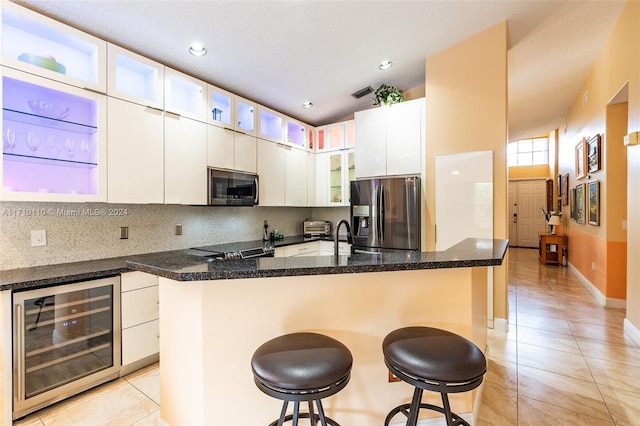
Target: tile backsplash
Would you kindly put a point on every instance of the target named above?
(85, 231)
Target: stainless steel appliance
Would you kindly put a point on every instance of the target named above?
(229, 188)
(316, 228)
(385, 214)
(234, 251)
(66, 339)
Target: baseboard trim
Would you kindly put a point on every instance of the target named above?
(632, 331)
(607, 302)
(500, 324)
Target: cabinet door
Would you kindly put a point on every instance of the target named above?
(404, 138)
(139, 306)
(271, 172)
(336, 179)
(134, 78)
(135, 279)
(135, 167)
(140, 341)
(185, 95)
(220, 147)
(54, 138)
(312, 200)
(322, 179)
(31, 40)
(296, 133)
(221, 108)
(371, 136)
(349, 174)
(295, 177)
(350, 134)
(270, 125)
(185, 161)
(245, 153)
(245, 116)
(305, 249)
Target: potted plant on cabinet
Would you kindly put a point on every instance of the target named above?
(388, 95)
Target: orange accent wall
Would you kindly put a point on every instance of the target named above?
(608, 257)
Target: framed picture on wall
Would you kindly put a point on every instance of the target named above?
(565, 189)
(580, 160)
(593, 200)
(580, 203)
(594, 162)
(572, 203)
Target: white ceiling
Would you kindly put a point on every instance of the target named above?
(282, 53)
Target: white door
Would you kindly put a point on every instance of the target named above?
(530, 196)
(513, 213)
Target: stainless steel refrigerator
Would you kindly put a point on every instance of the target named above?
(385, 214)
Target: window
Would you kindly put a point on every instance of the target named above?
(528, 152)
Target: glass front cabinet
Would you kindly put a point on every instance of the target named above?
(42, 46)
(53, 140)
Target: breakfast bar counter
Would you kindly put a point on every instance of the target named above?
(214, 314)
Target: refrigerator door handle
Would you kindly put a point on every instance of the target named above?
(381, 213)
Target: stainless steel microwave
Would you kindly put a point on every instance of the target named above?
(230, 188)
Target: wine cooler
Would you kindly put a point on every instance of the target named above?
(66, 339)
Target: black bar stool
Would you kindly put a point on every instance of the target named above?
(436, 360)
(302, 367)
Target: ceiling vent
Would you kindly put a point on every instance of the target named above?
(362, 92)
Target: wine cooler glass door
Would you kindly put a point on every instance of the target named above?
(65, 340)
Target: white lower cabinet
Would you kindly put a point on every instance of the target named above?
(304, 249)
(140, 320)
(327, 248)
(185, 160)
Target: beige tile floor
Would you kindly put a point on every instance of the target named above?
(565, 361)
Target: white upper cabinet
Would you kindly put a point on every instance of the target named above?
(222, 108)
(350, 134)
(245, 120)
(270, 125)
(245, 153)
(135, 170)
(296, 133)
(40, 45)
(404, 137)
(185, 95)
(295, 186)
(185, 160)
(227, 149)
(331, 137)
(271, 172)
(134, 78)
(390, 140)
(54, 140)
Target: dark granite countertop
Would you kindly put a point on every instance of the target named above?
(181, 265)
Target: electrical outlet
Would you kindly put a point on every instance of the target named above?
(124, 232)
(178, 229)
(38, 238)
(393, 377)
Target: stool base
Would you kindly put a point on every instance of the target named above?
(313, 418)
(412, 410)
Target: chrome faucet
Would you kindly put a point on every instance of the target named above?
(349, 235)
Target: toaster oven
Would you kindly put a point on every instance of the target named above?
(315, 228)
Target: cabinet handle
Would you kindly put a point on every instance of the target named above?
(154, 108)
(172, 114)
(19, 351)
(94, 91)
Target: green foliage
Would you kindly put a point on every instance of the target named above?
(388, 95)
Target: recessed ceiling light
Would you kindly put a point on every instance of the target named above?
(307, 104)
(197, 49)
(385, 65)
